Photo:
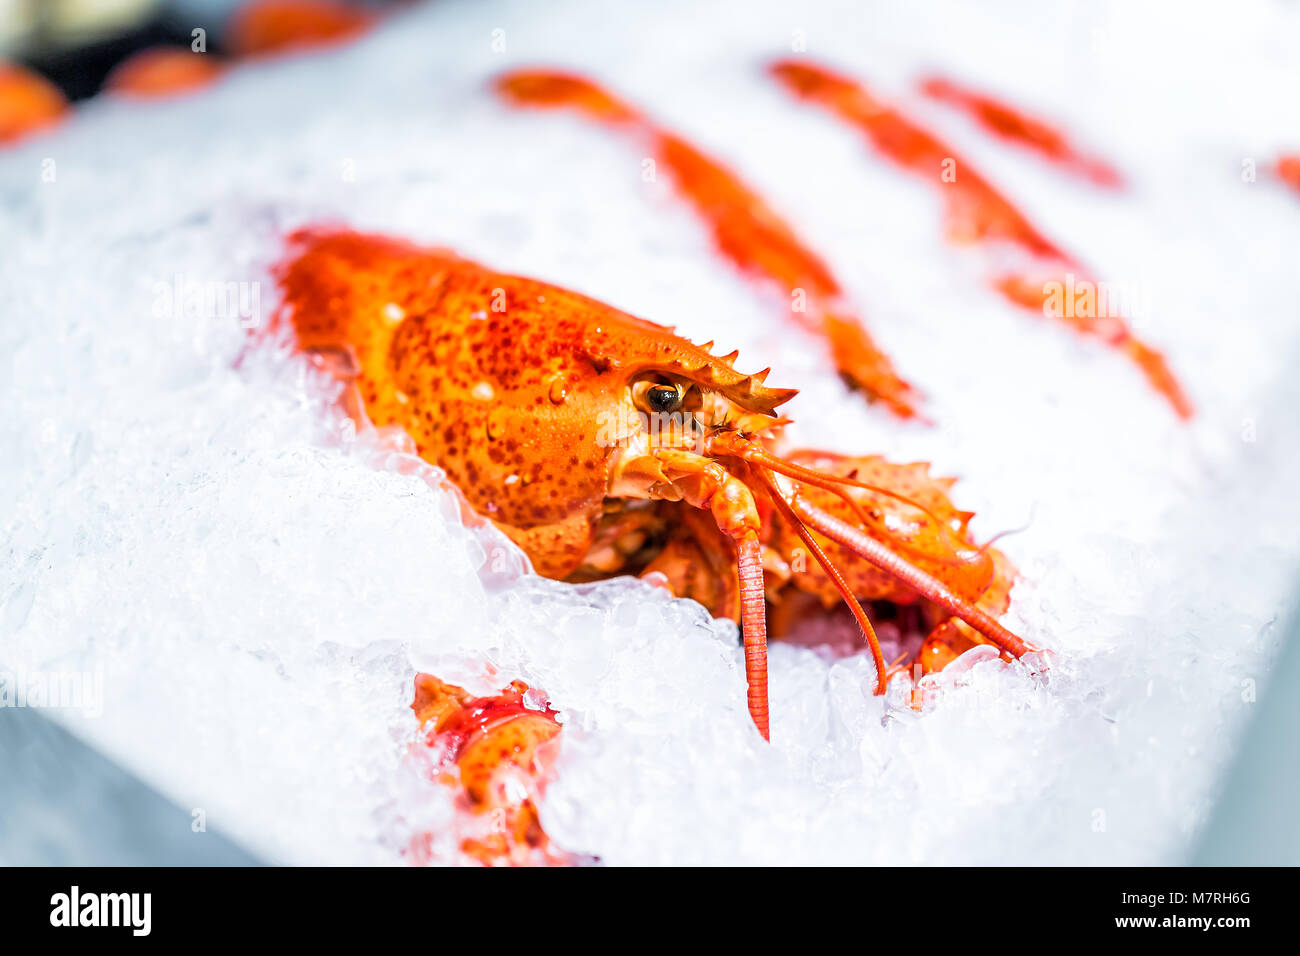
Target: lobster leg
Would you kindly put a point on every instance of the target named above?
(1016, 127)
(977, 211)
(909, 574)
(746, 231)
(707, 485)
(854, 606)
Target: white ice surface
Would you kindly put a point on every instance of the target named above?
(257, 587)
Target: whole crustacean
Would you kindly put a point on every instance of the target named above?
(604, 444)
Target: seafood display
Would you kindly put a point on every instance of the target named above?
(330, 392)
(598, 441)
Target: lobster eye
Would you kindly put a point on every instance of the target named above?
(663, 398)
(659, 395)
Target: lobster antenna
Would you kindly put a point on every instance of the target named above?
(960, 556)
(837, 578)
(753, 627)
(918, 580)
(1007, 532)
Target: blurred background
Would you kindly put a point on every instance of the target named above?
(77, 43)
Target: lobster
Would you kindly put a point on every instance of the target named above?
(604, 444)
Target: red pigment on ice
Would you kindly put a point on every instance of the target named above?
(978, 213)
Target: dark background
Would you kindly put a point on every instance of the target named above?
(78, 56)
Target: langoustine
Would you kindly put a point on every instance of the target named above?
(746, 230)
(978, 212)
(604, 444)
